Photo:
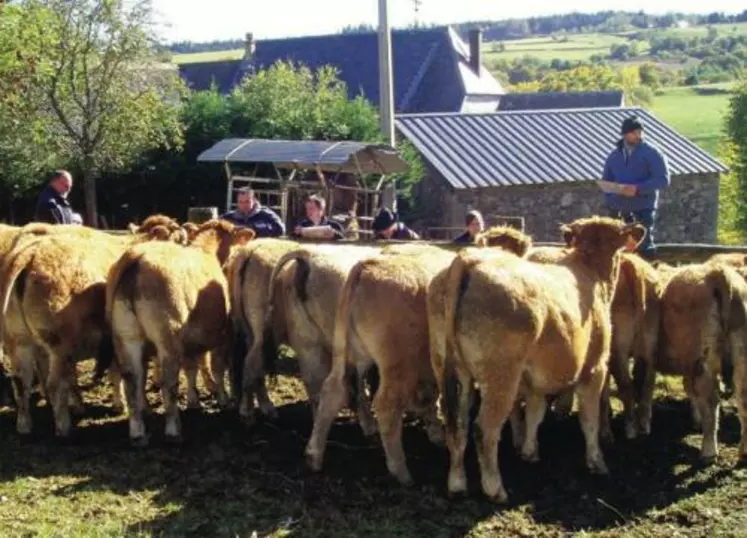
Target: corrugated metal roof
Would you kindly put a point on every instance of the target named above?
(555, 100)
(539, 146)
(329, 156)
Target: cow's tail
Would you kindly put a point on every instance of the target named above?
(274, 330)
(14, 272)
(341, 340)
(241, 329)
(724, 284)
(120, 280)
(457, 281)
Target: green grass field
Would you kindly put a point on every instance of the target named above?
(696, 112)
(225, 481)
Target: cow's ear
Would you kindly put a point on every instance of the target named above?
(569, 235)
(242, 236)
(634, 233)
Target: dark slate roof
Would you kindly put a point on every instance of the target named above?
(556, 100)
(343, 156)
(431, 70)
(538, 147)
(199, 76)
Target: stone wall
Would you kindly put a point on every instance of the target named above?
(688, 210)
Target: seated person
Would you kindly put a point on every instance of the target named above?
(474, 224)
(251, 214)
(386, 226)
(316, 220)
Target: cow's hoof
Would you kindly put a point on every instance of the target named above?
(194, 405)
(313, 461)
(707, 459)
(530, 457)
(598, 467)
(500, 498)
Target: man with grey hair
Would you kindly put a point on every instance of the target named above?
(251, 214)
(53, 207)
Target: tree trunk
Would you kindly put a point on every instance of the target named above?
(89, 191)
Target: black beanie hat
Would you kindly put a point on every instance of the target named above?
(631, 124)
(384, 219)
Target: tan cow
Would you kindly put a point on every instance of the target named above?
(382, 319)
(501, 238)
(51, 316)
(249, 271)
(635, 324)
(310, 279)
(545, 327)
(703, 330)
(175, 298)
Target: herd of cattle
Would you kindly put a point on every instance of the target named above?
(522, 326)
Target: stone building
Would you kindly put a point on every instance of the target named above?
(542, 165)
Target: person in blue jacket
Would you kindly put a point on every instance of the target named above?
(474, 224)
(251, 214)
(642, 171)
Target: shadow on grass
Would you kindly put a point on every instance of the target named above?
(227, 481)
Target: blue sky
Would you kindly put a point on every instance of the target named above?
(228, 19)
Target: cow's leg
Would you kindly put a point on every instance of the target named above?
(687, 382)
(740, 396)
(498, 396)
(314, 366)
(58, 387)
(706, 399)
(364, 401)
(427, 410)
(170, 395)
(157, 375)
(75, 397)
(536, 404)
(605, 414)
(619, 369)
(253, 371)
(645, 376)
(391, 403)
(456, 410)
(22, 376)
(193, 397)
(115, 379)
(130, 357)
(332, 398)
(589, 395)
(208, 373)
(516, 421)
(219, 360)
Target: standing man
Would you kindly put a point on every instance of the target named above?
(251, 214)
(315, 217)
(641, 171)
(52, 206)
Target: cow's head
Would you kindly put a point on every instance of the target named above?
(601, 237)
(506, 238)
(220, 236)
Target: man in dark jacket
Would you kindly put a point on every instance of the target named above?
(475, 224)
(641, 171)
(386, 226)
(315, 217)
(52, 206)
(250, 214)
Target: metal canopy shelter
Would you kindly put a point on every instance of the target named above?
(345, 157)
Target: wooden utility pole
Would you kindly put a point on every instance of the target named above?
(386, 93)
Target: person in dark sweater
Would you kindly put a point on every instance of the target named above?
(642, 171)
(315, 217)
(475, 224)
(250, 214)
(386, 226)
(52, 206)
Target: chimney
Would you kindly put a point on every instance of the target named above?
(475, 49)
(249, 46)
